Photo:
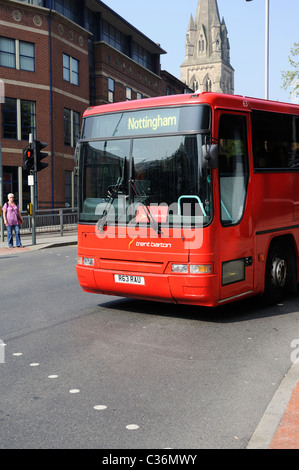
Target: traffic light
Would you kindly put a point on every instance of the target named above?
(28, 158)
(40, 155)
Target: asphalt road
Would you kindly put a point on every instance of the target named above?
(82, 371)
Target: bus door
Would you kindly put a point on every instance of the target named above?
(236, 230)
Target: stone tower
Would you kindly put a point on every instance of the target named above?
(207, 59)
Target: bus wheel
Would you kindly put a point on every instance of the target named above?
(276, 276)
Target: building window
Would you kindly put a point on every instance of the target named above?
(67, 8)
(28, 119)
(195, 86)
(128, 94)
(139, 96)
(70, 189)
(17, 54)
(208, 84)
(115, 38)
(110, 90)
(142, 56)
(26, 56)
(39, 3)
(7, 53)
(9, 119)
(18, 119)
(71, 127)
(90, 22)
(70, 69)
(170, 91)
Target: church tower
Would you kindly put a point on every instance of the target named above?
(207, 58)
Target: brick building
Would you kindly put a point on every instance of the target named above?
(56, 58)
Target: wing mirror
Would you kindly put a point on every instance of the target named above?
(210, 152)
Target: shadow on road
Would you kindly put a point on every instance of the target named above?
(244, 310)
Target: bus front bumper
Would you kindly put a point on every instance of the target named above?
(173, 288)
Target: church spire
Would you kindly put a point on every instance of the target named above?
(191, 26)
(206, 11)
(207, 59)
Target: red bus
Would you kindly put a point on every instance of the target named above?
(189, 199)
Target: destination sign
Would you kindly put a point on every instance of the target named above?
(146, 122)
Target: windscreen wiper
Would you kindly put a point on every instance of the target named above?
(141, 194)
(102, 222)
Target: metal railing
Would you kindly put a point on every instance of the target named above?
(50, 221)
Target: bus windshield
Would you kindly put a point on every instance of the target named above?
(154, 179)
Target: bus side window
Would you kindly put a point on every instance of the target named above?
(275, 141)
(233, 167)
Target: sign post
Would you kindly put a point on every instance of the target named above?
(32, 193)
(32, 157)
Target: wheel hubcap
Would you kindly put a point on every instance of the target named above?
(279, 272)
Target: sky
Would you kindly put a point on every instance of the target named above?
(166, 22)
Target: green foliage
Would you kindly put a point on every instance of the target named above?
(291, 77)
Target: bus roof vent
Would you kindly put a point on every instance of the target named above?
(196, 94)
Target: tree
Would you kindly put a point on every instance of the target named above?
(291, 77)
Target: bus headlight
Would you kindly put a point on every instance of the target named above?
(192, 269)
(88, 261)
(179, 268)
(85, 261)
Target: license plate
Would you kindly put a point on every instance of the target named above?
(126, 279)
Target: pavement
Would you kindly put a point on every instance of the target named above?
(279, 426)
(43, 240)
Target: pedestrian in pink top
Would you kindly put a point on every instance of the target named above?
(12, 218)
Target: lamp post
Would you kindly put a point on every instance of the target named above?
(267, 16)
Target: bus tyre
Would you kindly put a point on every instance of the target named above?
(278, 276)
